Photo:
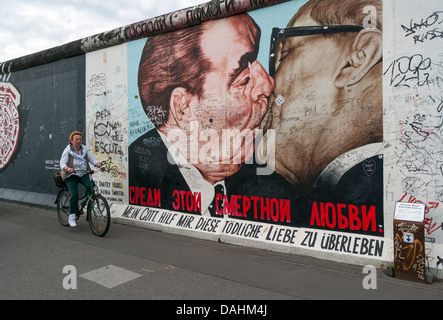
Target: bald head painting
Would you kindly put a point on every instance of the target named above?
(326, 111)
(328, 94)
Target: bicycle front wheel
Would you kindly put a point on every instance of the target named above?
(99, 215)
(63, 207)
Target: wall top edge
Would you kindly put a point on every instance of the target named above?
(175, 20)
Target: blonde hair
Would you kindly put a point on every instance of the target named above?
(75, 133)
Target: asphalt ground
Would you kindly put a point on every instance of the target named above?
(42, 260)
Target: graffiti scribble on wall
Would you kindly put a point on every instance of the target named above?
(9, 122)
(106, 95)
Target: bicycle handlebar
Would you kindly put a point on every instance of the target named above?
(86, 171)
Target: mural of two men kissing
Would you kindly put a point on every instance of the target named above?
(294, 142)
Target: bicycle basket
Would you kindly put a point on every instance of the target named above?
(58, 180)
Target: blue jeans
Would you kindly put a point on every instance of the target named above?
(72, 183)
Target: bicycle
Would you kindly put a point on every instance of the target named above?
(97, 207)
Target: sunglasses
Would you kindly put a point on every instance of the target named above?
(278, 33)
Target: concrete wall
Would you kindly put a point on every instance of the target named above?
(49, 103)
(412, 82)
(352, 125)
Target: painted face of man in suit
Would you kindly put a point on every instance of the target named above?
(234, 100)
(327, 98)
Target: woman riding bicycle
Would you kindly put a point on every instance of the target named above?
(74, 164)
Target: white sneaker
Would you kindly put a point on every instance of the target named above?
(73, 220)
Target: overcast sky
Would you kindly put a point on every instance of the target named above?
(28, 26)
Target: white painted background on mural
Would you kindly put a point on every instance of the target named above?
(107, 118)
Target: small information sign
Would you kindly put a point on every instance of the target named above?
(409, 241)
(409, 211)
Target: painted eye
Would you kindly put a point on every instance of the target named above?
(283, 56)
(245, 81)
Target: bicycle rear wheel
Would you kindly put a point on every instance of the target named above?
(99, 215)
(63, 207)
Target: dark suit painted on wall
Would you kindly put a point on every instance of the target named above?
(149, 167)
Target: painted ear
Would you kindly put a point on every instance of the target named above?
(365, 53)
(179, 108)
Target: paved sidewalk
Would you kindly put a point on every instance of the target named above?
(40, 259)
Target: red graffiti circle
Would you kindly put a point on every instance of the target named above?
(9, 122)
